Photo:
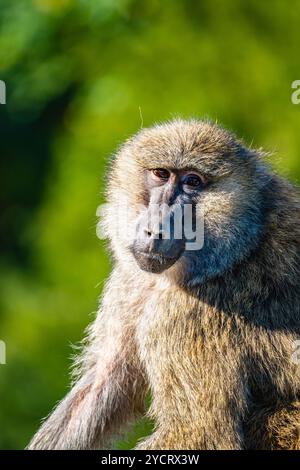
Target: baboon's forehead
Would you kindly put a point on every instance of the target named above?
(183, 144)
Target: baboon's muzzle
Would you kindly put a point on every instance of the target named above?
(156, 249)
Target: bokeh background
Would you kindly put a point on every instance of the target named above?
(81, 76)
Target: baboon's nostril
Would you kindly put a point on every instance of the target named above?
(147, 233)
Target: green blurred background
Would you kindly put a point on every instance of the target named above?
(82, 76)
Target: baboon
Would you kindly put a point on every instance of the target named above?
(210, 332)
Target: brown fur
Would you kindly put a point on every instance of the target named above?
(216, 354)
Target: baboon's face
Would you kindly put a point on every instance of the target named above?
(177, 179)
(165, 226)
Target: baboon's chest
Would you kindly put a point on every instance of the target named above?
(177, 333)
(168, 317)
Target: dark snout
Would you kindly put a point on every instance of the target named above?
(156, 250)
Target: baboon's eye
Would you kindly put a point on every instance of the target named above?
(193, 181)
(160, 174)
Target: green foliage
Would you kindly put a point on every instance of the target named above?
(82, 76)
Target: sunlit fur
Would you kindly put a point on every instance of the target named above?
(212, 337)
